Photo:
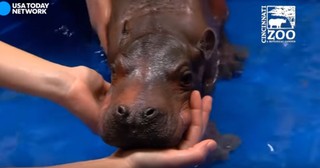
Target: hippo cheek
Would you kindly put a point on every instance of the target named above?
(185, 115)
(104, 108)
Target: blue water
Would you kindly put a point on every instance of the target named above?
(274, 106)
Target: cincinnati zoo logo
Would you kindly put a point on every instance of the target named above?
(278, 24)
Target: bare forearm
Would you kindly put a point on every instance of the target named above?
(108, 162)
(76, 88)
(24, 72)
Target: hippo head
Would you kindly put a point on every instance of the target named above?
(152, 78)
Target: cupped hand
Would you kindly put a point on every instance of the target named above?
(200, 112)
(86, 96)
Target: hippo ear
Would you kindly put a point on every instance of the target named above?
(208, 43)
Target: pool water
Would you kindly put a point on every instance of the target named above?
(274, 106)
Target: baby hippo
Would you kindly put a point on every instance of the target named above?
(158, 52)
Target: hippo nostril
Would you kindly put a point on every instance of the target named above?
(150, 113)
(122, 111)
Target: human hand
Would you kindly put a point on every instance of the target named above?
(99, 14)
(189, 152)
(85, 96)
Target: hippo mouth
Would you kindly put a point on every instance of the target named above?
(165, 131)
(132, 138)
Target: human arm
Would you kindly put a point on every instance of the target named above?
(79, 89)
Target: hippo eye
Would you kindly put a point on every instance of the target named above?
(186, 79)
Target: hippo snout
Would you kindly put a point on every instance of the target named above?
(137, 126)
(125, 115)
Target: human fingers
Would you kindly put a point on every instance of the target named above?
(107, 85)
(170, 158)
(206, 110)
(194, 155)
(194, 132)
